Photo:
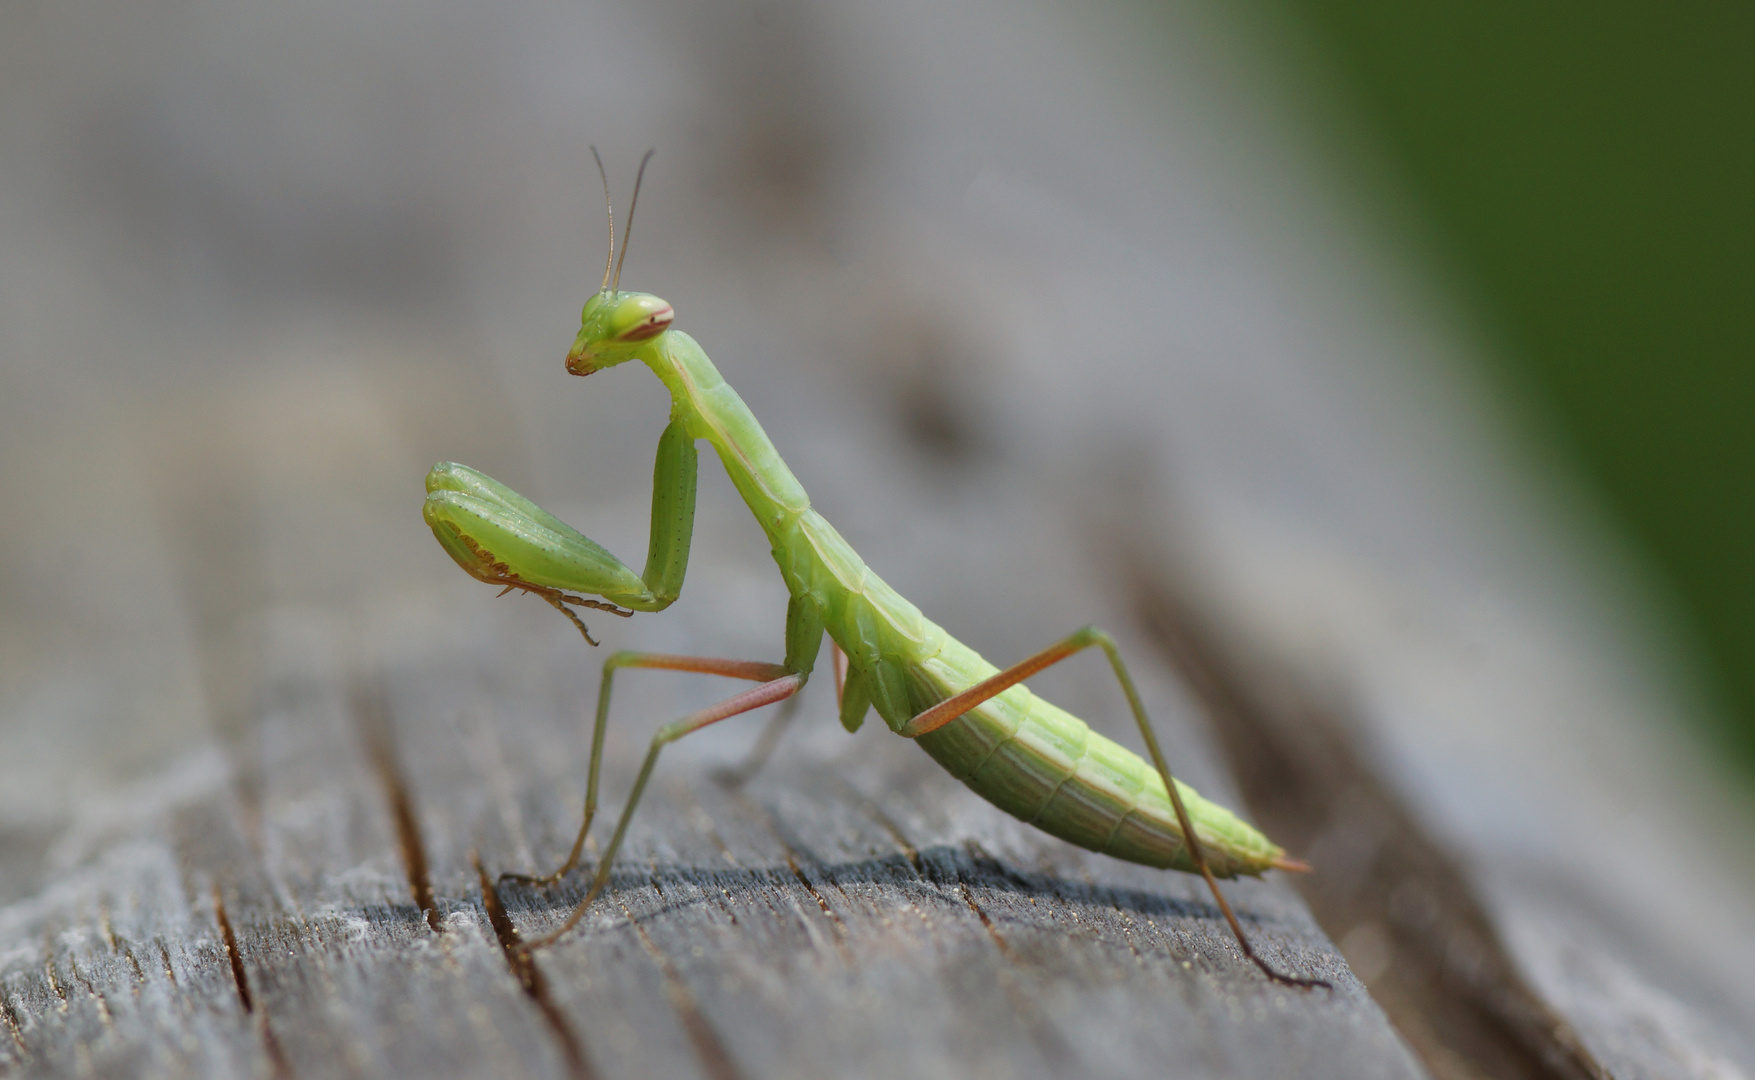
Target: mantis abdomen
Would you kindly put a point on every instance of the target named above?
(1036, 762)
(1047, 768)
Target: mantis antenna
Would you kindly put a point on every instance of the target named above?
(616, 283)
(609, 211)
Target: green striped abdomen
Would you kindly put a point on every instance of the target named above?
(1045, 767)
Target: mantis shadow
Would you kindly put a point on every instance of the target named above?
(942, 873)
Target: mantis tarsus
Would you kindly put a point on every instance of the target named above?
(1018, 752)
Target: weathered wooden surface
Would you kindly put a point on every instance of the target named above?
(264, 267)
(853, 906)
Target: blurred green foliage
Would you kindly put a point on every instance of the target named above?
(1590, 171)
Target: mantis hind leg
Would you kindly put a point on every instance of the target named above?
(736, 776)
(753, 670)
(952, 707)
(767, 693)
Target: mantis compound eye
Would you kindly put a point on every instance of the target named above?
(639, 317)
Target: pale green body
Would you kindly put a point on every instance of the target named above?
(1020, 753)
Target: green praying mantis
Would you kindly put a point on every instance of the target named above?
(1018, 752)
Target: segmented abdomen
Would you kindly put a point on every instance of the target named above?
(1045, 767)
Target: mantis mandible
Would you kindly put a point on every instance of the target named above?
(1015, 750)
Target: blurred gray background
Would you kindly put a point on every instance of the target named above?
(994, 277)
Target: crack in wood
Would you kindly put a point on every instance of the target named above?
(103, 1007)
(530, 977)
(947, 874)
(1452, 987)
(9, 1017)
(372, 717)
(1005, 948)
(839, 935)
(236, 958)
(277, 1059)
(49, 974)
(1046, 1039)
(710, 1050)
(134, 964)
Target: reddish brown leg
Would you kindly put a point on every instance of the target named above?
(753, 670)
(766, 694)
(956, 705)
(736, 776)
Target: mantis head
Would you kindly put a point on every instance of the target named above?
(614, 327)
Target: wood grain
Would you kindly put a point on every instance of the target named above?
(994, 280)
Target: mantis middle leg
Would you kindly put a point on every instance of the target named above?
(735, 776)
(753, 670)
(767, 693)
(952, 707)
(779, 682)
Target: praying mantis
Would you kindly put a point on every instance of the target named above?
(1020, 753)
